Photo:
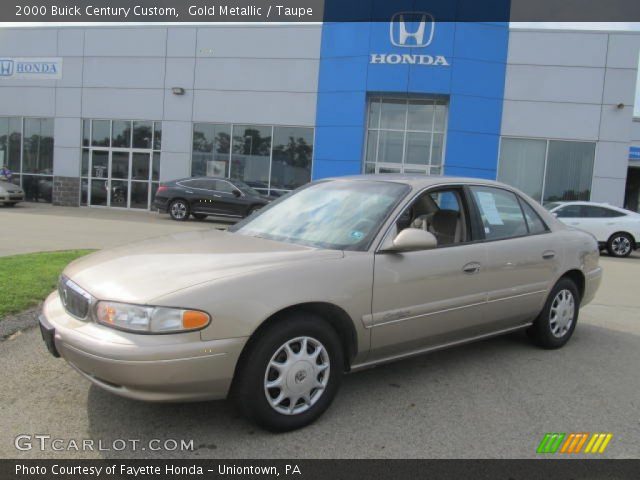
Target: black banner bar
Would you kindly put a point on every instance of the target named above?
(177, 11)
(547, 469)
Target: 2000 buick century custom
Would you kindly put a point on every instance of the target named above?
(338, 276)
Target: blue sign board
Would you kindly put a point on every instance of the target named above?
(634, 153)
(412, 54)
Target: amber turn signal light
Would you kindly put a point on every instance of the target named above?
(192, 319)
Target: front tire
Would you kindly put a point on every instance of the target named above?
(557, 321)
(290, 373)
(620, 245)
(179, 210)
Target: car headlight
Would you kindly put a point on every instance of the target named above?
(147, 319)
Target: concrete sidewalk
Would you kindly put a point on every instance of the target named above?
(32, 227)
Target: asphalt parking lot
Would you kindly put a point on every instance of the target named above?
(492, 399)
(32, 227)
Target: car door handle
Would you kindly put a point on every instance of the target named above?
(549, 254)
(471, 268)
(188, 191)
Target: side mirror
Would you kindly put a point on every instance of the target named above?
(555, 214)
(236, 193)
(413, 239)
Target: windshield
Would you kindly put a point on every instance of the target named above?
(339, 215)
(246, 188)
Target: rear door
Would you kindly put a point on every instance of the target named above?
(522, 256)
(601, 222)
(202, 195)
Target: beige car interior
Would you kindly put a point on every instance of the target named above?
(448, 225)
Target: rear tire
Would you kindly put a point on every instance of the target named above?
(283, 386)
(620, 245)
(179, 210)
(557, 321)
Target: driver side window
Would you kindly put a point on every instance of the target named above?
(440, 212)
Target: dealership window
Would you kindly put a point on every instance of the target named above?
(548, 170)
(26, 147)
(271, 159)
(405, 135)
(120, 162)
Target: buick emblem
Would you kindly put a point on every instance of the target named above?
(300, 376)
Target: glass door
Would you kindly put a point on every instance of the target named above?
(119, 174)
(99, 178)
(140, 176)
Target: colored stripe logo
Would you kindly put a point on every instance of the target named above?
(574, 442)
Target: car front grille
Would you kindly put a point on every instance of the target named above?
(76, 301)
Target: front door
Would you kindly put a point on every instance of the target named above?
(230, 204)
(432, 297)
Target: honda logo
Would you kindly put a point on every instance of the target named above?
(30, 68)
(411, 29)
(6, 68)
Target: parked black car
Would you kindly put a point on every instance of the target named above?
(208, 196)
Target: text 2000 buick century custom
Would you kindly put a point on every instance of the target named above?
(340, 275)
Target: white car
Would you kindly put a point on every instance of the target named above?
(616, 229)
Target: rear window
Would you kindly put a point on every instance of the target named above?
(500, 212)
(569, 211)
(600, 212)
(535, 223)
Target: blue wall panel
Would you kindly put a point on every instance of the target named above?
(472, 80)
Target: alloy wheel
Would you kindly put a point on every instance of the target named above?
(562, 313)
(178, 210)
(620, 246)
(297, 375)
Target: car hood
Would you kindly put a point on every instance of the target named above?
(142, 271)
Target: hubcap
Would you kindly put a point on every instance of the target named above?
(562, 311)
(621, 246)
(179, 210)
(296, 375)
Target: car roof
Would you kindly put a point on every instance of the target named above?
(593, 204)
(583, 202)
(203, 177)
(420, 181)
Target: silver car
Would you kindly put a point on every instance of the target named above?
(10, 194)
(341, 275)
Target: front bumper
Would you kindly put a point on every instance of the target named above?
(12, 197)
(174, 367)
